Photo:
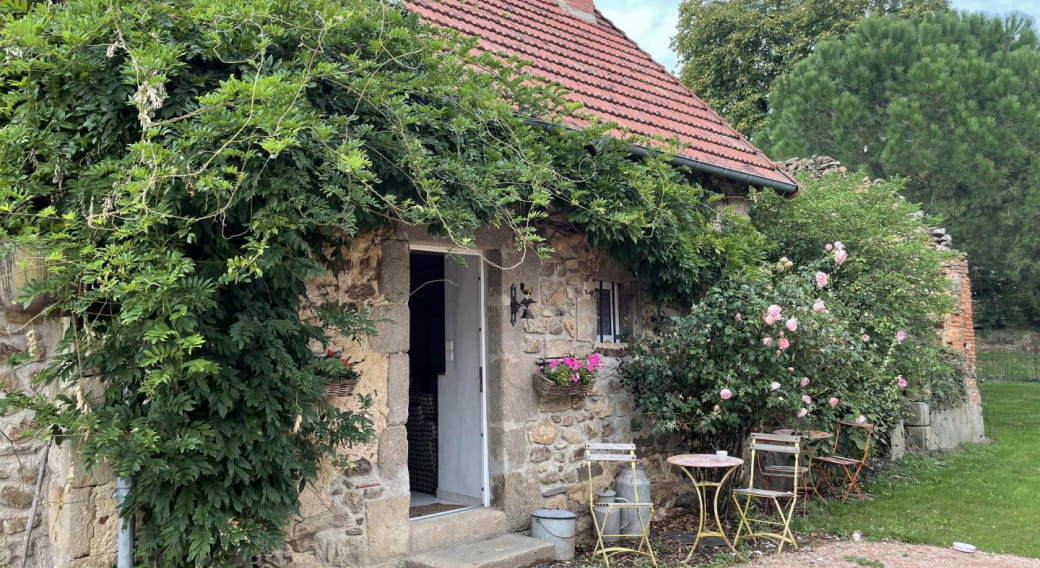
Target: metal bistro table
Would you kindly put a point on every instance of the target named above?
(707, 491)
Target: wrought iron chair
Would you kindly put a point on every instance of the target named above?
(849, 467)
(782, 500)
(642, 512)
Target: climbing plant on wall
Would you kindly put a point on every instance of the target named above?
(186, 167)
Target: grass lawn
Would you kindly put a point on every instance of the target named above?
(1008, 366)
(988, 496)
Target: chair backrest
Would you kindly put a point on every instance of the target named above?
(618, 453)
(776, 444)
(866, 430)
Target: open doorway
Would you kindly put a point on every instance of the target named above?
(446, 413)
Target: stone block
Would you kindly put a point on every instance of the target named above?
(543, 432)
(73, 525)
(394, 267)
(387, 535)
(919, 414)
(105, 532)
(391, 329)
(94, 561)
(334, 547)
(16, 497)
(393, 459)
(397, 389)
(918, 437)
(304, 532)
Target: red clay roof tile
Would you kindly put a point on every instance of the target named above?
(608, 73)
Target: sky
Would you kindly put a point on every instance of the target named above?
(651, 23)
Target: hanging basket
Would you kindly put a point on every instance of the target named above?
(340, 388)
(545, 387)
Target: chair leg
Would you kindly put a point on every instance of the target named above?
(742, 524)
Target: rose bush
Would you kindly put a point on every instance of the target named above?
(765, 349)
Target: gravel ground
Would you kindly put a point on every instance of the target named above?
(671, 544)
(848, 554)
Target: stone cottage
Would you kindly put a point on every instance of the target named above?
(465, 449)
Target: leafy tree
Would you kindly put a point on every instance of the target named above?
(732, 50)
(951, 102)
(186, 167)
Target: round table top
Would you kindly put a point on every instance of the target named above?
(810, 434)
(704, 460)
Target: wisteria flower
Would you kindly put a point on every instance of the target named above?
(804, 382)
(774, 386)
(861, 419)
(901, 381)
(767, 341)
(783, 343)
(840, 256)
(821, 279)
(806, 399)
(818, 306)
(792, 324)
(833, 401)
(803, 412)
(725, 394)
(900, 336)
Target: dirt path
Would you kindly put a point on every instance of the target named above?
(848, 554)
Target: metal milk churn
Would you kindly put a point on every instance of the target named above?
(633, 488)
(607, 520)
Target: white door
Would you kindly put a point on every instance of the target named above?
(460, 391)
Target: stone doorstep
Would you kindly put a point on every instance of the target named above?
(504, 551)
(456, 528)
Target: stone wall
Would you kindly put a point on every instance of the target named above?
(21, 453)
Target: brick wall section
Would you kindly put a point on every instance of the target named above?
(959, 326)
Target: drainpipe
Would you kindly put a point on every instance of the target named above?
(125, 541)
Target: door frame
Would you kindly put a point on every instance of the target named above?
(478, 256)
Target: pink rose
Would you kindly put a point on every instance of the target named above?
(840, 256)
(818, 306)
(828, 246)
(767, 341)
(806, 399)
(774, 386)
(821, 279)
(804, 382)
(792, 324)
(802, 413)
(725, 394)
(738, 317)
(838, 245)
(717, 408)
(901, 381)
(774, 310)
(783, 343)
(865, 337)
(861, 419)
(833, 401)
(900, 336)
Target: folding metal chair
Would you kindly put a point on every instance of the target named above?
(625, 455)
(783, 501)
(850, 467)
(783, 474)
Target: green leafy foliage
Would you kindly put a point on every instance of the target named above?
(948, 101)
(186, 167)
(840, 330)
(732, 50)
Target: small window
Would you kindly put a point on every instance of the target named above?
(608, 313)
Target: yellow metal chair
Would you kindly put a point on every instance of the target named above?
(783, 501)
(643, 512)
(849, 467)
